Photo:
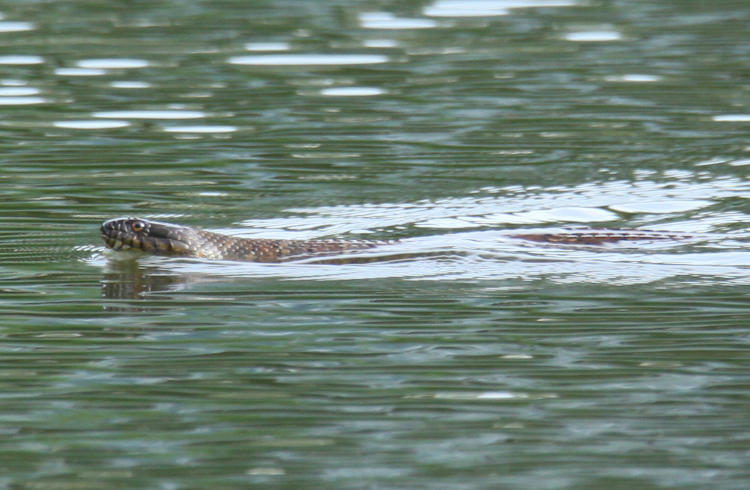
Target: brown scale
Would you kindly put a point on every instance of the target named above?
(599, 237)
(224, 247)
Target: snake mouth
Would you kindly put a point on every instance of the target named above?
(115, 244)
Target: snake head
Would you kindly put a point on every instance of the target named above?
(150, 236)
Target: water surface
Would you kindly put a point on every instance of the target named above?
(459, 358)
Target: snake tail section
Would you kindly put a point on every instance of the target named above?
(600, 237)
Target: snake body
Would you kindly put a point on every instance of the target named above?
(169, 239)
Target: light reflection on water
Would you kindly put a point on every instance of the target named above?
(593, 36)
(494, 255)
(586, 203)
(352, 91)
(201, 129)
(490, 256)
(309, 59)
(10, 26)
(92, 124)
(79, 72)
(151, 114)
(22, 100)
(113, 63)
(482, 8)
(732, 118)
(385, 20)
(267, 46)
(19, 59)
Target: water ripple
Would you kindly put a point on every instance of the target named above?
(386, 20)
(10, 26)
(309, 59)
(112, 63)
(79, 72)
(201, 129)
(352, 91)
(21, 59)
(732, 118)
(487, 8)
(91, 124)
(593, 36)
(22, 100)
(268, 46)
(150, 114)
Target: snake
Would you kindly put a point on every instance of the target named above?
(158, 238)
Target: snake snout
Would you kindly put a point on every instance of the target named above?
(115, 233)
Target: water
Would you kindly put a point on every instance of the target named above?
(458, 358)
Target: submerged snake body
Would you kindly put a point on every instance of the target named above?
(168, 239)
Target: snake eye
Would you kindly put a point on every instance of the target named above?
(138, 226)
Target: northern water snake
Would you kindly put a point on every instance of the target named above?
(170, 239)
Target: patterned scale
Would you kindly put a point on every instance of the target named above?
(600, 237)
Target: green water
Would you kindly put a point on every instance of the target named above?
(459, 358)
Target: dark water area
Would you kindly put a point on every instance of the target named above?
(456, 357)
